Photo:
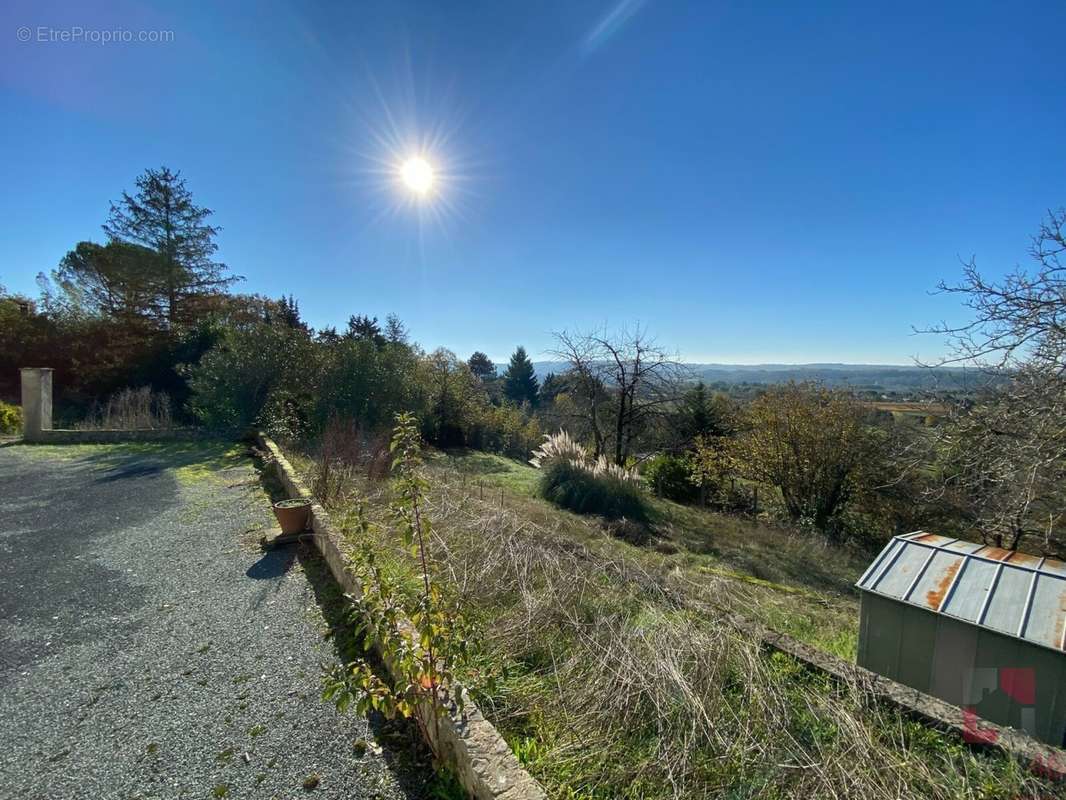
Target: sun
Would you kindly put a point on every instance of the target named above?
(417, 175)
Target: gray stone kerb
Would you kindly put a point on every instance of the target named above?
(467, 742)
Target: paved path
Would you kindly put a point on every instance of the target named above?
(149, 650)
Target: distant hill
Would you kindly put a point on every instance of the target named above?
(869, 377)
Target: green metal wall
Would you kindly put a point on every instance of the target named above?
(963, 664)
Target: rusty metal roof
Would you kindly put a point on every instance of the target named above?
(1006, 591)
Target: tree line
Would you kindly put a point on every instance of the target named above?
(151, 306)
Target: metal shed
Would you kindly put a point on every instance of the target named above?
(978, 626)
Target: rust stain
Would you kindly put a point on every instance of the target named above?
(925, 537)
(934, 597)
(1054, 565)
(996, 553)
(1060, 623)
(1024, 558)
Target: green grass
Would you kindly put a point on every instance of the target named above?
(191, 461)
(488, 469)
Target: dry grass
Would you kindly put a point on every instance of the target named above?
(345, 453)
(130, 409)
(621, 678)
(791, 581)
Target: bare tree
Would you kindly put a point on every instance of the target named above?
(581, 353)
(1021, 319)
(1004, 456)
(638, 379)
(1003, 462)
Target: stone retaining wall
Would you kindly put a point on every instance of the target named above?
(469, 743)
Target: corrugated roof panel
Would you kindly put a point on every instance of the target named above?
(938, 577)
(1014, 593)
(963, 547)
(1025, 560)
(934, 539)
(1047, 617)
(968, 597)
(1054, 567)
(1008, 601)
(995, 553)
(900, 574)
(880, 564)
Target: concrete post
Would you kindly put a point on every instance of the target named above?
(36, 402)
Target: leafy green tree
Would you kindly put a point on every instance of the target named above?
(366, 383)
(455, 398)
(519, 380)
(249, 367)
(481, 365)
(814, 445)
(162, 217)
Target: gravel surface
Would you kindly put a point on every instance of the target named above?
(149, 649)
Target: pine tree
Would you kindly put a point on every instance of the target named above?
(519, 380)
(162, 217)
(395, 331)
(701, 414)
(552, 387)
(363, 327)
(118, 280)
(289, 313)
(482, 366)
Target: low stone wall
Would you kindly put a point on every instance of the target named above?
(71, 436)
(469, 743)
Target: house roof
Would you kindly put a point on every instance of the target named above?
(1006, 591)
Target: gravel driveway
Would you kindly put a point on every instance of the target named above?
(148, 649)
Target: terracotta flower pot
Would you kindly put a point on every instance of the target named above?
(293, 515)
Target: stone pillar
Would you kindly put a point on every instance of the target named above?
(36, 402)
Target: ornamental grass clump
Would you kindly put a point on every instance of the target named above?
(572, 480)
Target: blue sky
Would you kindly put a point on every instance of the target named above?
(753, 181)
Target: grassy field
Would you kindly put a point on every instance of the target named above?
(775, 575)
(610, 670)
(912, 413)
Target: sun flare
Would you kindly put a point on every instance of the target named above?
(417, 175)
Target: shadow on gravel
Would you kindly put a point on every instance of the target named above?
(55, 591)
(400, 740)
(131, 471)
(401, 743)
(273, 564)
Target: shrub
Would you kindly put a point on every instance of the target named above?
(575, 486)
(670, 477)
(10, 418)
(246, 368)
(284, 417)
(504, 429)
